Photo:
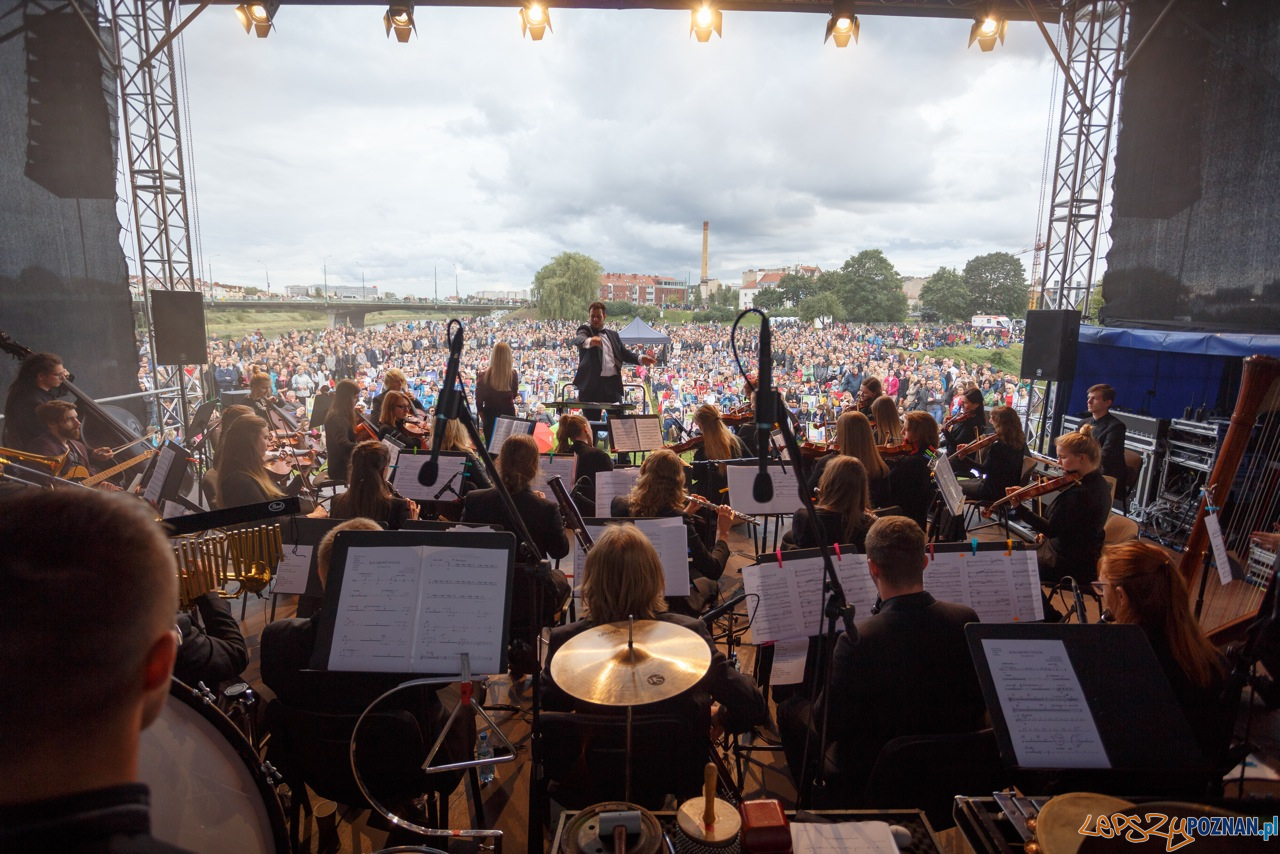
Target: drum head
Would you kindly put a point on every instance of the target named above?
(208, 791)
(582, 835)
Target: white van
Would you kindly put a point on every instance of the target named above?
(991, 321)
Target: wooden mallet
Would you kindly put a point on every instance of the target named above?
(708, 820)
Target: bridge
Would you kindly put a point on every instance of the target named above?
(345, 312)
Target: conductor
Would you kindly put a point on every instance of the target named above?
(601, 354)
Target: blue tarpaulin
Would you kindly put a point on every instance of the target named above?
(1161, 373)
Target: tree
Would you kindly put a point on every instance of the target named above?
(821, 305)
(796, 287)
(388, 295)
(251, 291)
(318, 293)
(945, 294)
(566, 286)
(724, 298)
(871, 289)
(769, 299)
(997, 284)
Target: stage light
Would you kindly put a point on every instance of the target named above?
(400, 19)
(258, 17)
(988, 26)
(705, 19)
(842, 24)
(535, 20)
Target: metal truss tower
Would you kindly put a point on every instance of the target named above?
(1094, 33)
(151, 142)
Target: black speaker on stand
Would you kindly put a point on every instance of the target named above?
(1049, 354)
(178, 319)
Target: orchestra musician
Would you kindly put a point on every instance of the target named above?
(340, 429)
(395, 422)
(1070, 539)
(242, 477)
(601, 355)
(623, 578)
(888, 426)
(718, 443)
(61, 435)
(1002, 467)
(842, 505)
(659, 492)
(456, 438)
(87, 643)
(368, 494)
(870, 390)
(1109, 432)
(395, 380)
(911, 485)
(573, 435)
(39, 380)
(968, 424)
(260, 394)
(497, 387)
(518, 468)
(854, 439)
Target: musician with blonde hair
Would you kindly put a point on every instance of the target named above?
(1071, 537)
(718, 443)
(497, 387)
(855, 438)
(888, 425)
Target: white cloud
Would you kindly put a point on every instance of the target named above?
(329, 145)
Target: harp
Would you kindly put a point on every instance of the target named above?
(1246, 482)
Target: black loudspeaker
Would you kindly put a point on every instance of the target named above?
(70, 151)
(231, 398)
(178, 317)
(1049, 350)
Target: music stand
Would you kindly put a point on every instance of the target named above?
(163, 478)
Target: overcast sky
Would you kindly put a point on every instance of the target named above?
(473, 150)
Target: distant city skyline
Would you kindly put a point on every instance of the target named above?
(329, 152)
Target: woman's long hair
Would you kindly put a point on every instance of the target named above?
(240, 455)
(622, 577)
(974, 395)
(518, 463)
(230, 416)
(1008, 427)
(853, 433)
(368, 493)
(1156, 598)
(660, 486)
(344, 400)
(498, 375)
(1081, 443)
(717, 442)
(888, 424)
(568, 428)
(387, 415)
(921, 429)
(843, 489)
(455, 437)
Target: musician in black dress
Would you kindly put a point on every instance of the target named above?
(1002, 467)
(868, 392)
(242, 476)
(601, 355)
(969, 424)
(573, 436)
(39, 380)
(718, 443)
(1071, 537)
(395, 422)
(855, 438)
(1109, 432)
(340, 429)
(497, 387)
(369, 495)
(842, 506)
(911, 484)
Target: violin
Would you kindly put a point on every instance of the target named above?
(687, 445)
(743, 414)
(953, 419)
(414, 427)
(1035, 490)
(973, 447)
(903, 449)
(817, 450)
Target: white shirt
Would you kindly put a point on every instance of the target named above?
(608, 365)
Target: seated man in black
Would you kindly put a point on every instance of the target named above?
(62, 438)
(212, 650)
(909, 672)
(87, 589)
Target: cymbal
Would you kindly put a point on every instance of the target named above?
(664, 660)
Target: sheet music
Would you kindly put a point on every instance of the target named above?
(786, 491)
(504, 427)
(1027, 601)
(670, 538)
(648, 432)
(944, 578)
(160, 474)
(405, 476)
(393, 449)
(579, 557)
(1044, 707)
(1001, 587)
(462, 596)
(789, 657)
(989, 585)
(294, 568)
(779, 444)
(947, 483)
(859, 589)
(373, 629)
(550, 465)
(624, 433)
(1214, 529)
(845, 837)
(779, 616)
(610, 484)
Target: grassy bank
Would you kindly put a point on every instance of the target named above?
(1008, 360)
(234, 324)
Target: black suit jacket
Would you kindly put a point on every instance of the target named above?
(911, 486)
(215, 654)
(909, 673)
(540, 515)
(1109, 432)
(591, 386)
(1075, 528)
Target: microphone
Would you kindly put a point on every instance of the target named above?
(766, 413)
(1107, 616)
(446, 407)
(1081, 617)
(448, 486)
(719, 611)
